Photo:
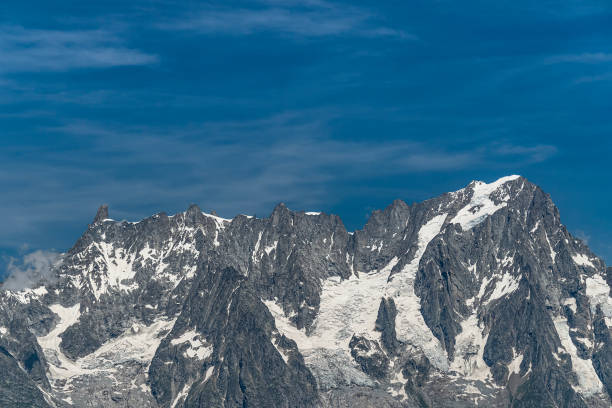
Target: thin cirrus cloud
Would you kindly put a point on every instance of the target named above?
(31, 50)
(582, 58)
(220, 165)
(306, 168)
(306, 19)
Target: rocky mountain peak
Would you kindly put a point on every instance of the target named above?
(101, 215)
(476, 297)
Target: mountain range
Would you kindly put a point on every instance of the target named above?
(478, 297)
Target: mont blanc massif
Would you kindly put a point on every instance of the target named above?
(478, 297)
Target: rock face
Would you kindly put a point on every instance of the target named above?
(477, 297)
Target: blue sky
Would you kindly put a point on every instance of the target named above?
(340, 107)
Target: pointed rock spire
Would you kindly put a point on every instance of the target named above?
(101, 215)
(194, 209)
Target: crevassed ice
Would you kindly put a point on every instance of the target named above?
(410, 326)
(350, 307)
(469, 350)
(588, 381)
(481, 206)
(598, 292)
(347, 307)
(27, 295)
(138, 344)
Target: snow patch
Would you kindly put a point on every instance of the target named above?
(209, 372)
(582, 260)
(115, 267)
(181, 395)
(515, 364)
(197, 349)
(271, 248)
(503, 287)
(256, 249)
(571, 302)
(553, 254)
(27, 295)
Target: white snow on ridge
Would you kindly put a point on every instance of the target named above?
(220, 221)
(481, 206)
(115, 266)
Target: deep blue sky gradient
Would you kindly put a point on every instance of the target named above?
(340, 107)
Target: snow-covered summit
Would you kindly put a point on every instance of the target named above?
(482, 204)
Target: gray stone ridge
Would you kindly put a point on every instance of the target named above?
(478, 297)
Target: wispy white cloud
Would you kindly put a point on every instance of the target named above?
(581, 58)
(304, 19)
(300, 161)
(30, 50)
(594, 78)
(531, 154)
(32, 268)
(231, 167)
(580, 234)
